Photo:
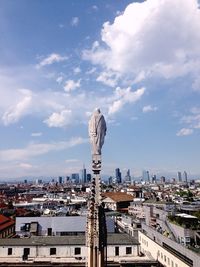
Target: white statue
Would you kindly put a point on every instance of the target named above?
(97, 131)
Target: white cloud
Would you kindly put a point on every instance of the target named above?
(69, 161)
(18, 110)
(51, 106)
(59, 79)
(75, 21)
(77, 70)
(35, 150)
(124, 96)
(193, 119)
(136, 49)
(25, 165)
(94, 7)
(108, 78)
(36, 134)
(184, 132)
(91, 71)
(71, 85)
(149, 108)
(53, 58)
(59, 119)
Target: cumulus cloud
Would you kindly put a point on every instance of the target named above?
(25, 165)
(71, 85)
(69, 161)
(58, 108)
(149, 108)
(59, 79)
(130, 45)
(77, 70)
(36, 134)
(124, 96)
(15, 112)
(34, 150)
(184, 132)
(193, 119)
(60, 119)
(108, 78)
(75, 21)
(53, 58)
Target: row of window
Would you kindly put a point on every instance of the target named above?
(6, 232)
(77, 251)
(128, 251)
(160, 254)
(166, 259)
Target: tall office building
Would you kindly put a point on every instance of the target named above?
(110, 180)
(118, 176)
(75, 178)
(84, 175)
(154, 179)
(145, 176)
(179, 177)
(185, 177)
(89, 177)
(60, 180)
(162, 179)
(127, 178)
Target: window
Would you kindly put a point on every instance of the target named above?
(9, 251)
(52, 251)
(172, 263)
(26, 251)
(128, 250)
(116, 251)
(49, 231)
(77, 251)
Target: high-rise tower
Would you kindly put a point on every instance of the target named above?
(179, 176)
(84, 175)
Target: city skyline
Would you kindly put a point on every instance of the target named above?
(59, 61)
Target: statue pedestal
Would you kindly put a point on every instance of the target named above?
(96, 163)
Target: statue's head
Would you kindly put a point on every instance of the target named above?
(97, 110)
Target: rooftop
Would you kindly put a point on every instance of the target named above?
(112, 239)
(119, 196)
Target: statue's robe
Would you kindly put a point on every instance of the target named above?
(97, 132)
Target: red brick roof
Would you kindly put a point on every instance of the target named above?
(119, 196)
(5, 222)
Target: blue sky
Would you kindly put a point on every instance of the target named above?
(139, 61)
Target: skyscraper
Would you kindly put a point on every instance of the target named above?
(84, 175)
(89, 177)
(145, 176)
(162, 179)
(118, 176)
(179, 177)
(75, 177)
(60, 180)
(154, 179)
(127, 178)
(185, 177)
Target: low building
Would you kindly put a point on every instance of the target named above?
(168, 252)
(7, 226)
(117, 201)
(70, 249)
(55, 226)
